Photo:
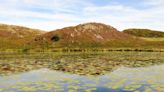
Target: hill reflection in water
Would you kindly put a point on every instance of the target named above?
(124, 79)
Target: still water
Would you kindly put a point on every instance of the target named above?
(123, 79)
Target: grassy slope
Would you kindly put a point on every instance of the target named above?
(145, 33)
(16, 36)
(84, 38)
(19, 37)
(153, 38)
(89, 35)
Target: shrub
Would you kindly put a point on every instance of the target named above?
(55, 38)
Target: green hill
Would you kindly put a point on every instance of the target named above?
(145, 33)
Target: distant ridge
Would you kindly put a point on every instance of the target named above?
(144, 32)
(12, 36)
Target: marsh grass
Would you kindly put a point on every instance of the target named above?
(72, 50)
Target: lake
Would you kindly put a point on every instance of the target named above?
(82, 72)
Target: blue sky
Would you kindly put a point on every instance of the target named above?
(54, 14)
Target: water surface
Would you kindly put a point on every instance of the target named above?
(149, 77)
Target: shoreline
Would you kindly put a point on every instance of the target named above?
(38, 50)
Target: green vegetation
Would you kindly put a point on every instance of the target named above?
(55, 38)
(144, 33)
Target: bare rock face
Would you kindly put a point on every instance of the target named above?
(94, 27)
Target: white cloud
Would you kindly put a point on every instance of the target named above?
(154, 2)
(123, 17)
(72, 12)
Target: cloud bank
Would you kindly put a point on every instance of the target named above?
(54, 14)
